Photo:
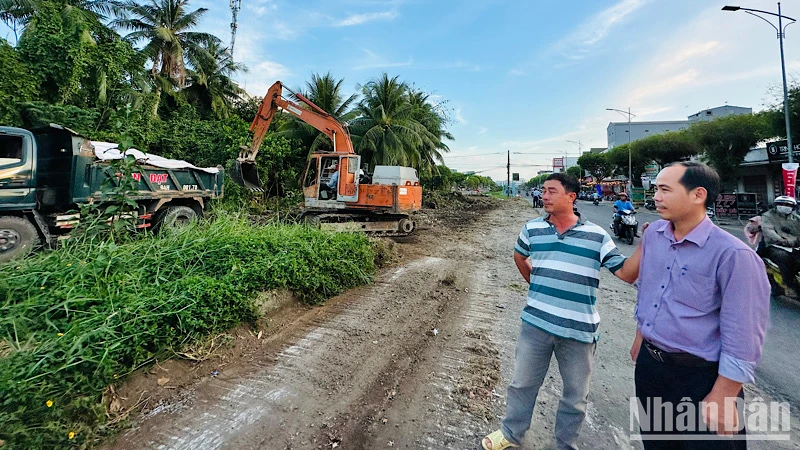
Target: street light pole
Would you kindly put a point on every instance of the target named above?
(580, 150)
(628, 115)
(781, 34)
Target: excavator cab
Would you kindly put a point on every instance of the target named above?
(332, 177)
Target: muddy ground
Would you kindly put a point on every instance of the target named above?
(419, 359)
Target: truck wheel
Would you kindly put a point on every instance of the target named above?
(175, 217)
(17, 238)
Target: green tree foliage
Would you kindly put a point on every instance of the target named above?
(164, 26)
(575, 171)
(388, 130)
(667, 147)
(17, 84)
(210, 85)
(618, 156)
(596, 164)
(58, 55)
(726, 141)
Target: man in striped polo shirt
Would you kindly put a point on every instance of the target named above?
(560, 256)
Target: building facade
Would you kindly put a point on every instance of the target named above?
(708, 115)
(617, 132)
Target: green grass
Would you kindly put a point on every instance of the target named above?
(498, 194)
(76, 320)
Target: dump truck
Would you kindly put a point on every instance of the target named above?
(338, 193)
(47, 173)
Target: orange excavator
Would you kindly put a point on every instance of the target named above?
(338, 194)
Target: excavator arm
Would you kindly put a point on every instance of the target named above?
(245, 172)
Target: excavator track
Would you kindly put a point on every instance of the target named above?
(371, 224)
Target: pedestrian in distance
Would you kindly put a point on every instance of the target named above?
(701, 315)
(560, 256)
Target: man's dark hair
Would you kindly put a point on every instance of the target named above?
(700, 175)
(570, 183)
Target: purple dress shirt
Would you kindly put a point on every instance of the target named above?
(707, 294)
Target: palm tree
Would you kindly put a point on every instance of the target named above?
(75, 11)
(210, 84)
(165, 25)
(386, 132)
(432, 117)
(326, 92)
(18, 13)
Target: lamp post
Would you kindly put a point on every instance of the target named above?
(781, 33)
(580, 149)
(628, 115)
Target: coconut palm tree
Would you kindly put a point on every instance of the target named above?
(433, 118)
(210, 83)
(326, 92)
(90, 12)
(165, 26)
(386, 132)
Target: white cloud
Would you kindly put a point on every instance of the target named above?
(459, 118)
(687, 54)
(358, 19)
(577, 43)
(375, 61)
(482, 130)
(516, 72)
(664, 85)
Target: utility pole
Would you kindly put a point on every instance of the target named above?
(236, 5)
(508, 175)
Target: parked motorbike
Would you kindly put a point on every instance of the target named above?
(627, 225)
(650, 204)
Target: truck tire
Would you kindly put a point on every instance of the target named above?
(18, 237)
(175, 217)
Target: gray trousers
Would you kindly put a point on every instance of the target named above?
(535, 348)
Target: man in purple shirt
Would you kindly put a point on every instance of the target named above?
(701, 314)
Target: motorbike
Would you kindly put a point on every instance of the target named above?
(627, 225)
(777, 282)
(596, 201)
(537, 202)
(650, 204)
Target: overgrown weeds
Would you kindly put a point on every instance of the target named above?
(76, 320)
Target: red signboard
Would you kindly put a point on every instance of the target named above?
(789, 178)
(558, 163)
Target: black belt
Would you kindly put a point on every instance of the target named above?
(678, 359)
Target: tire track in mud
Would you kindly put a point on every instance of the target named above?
(356, 347)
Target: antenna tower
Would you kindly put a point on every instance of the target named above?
(236, 5)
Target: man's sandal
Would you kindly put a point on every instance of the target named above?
(496, 441)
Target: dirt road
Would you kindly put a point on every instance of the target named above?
(420, 359)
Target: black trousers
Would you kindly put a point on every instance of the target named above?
(673, 383)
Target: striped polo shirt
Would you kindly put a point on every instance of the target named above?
(565, 276)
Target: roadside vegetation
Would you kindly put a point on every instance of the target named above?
(75, 321)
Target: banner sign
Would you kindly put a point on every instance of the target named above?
(789, 178)
(725, 206)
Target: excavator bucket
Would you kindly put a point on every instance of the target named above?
(245, 174)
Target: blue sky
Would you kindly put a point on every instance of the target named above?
(524, 76)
